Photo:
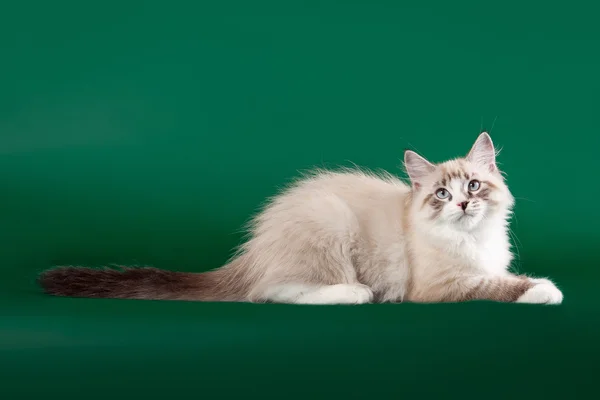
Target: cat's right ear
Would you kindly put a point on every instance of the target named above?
(416, 167)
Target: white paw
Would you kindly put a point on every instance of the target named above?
(354, 294)
(544, 292)
(339, 294)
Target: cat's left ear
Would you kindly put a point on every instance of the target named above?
(483, 153)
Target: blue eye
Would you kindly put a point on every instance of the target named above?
(442, 194)
(474, 185)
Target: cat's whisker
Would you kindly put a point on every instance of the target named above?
(517, 243)
(493, 123)
(524, 198)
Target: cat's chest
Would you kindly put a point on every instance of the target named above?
(489, 256)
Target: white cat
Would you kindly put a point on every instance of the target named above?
(353, 237)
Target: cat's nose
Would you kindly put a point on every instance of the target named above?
(463, 205)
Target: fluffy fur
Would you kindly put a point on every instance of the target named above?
(353, 237)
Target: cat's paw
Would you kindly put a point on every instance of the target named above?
(543, 292)
(360, 294)
(350, 294)
(339, 294)
(541, 280)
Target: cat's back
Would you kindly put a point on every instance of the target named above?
(349, 184)
(336, 196)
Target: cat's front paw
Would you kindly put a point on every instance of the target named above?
(543, 292)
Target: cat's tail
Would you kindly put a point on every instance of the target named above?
(145, 283)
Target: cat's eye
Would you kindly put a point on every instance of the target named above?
(474, 185)
(442, 194)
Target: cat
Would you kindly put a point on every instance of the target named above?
(354, 237)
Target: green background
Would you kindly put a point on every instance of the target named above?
(149, 132)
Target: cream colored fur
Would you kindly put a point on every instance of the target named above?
(352, 237)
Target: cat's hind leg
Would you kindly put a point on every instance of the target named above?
(315, 294)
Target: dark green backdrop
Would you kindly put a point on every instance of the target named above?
(148, 132)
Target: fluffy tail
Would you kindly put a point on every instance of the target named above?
(139, 283)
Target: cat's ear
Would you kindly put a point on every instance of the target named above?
(483, 153)
(417, 167)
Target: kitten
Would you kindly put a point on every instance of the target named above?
(352, 237)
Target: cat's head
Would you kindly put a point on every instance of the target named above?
(459, 194)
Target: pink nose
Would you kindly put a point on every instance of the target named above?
(463, 205)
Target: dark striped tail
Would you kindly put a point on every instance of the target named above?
(145, 283)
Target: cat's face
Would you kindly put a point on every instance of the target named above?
(459, 194)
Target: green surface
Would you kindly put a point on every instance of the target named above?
(147, 133)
